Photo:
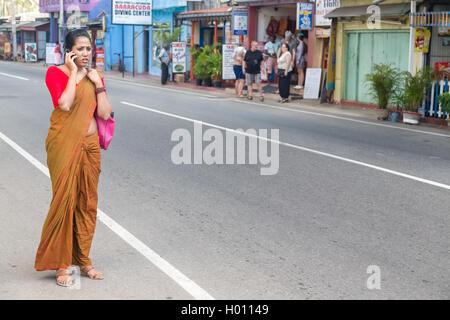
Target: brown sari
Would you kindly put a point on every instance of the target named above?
(74, 162)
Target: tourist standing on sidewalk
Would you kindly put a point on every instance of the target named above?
(165, 59)
(271, 49)
(73, 160)
(252, 70)
(238, 56)
(284, 73)
(300, 60)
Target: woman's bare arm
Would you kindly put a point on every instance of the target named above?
(104, 109)
(66, 99)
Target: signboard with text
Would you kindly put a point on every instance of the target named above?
(137, 12)
(178, 57)
(228, 61)
(324, 7)
(312, 83)
(240, 22)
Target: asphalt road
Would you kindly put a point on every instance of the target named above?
(348, 194)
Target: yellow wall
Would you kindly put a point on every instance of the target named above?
(357, 24)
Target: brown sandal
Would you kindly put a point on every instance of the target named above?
(64, 272)
(85, 272)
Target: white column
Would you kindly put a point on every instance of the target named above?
(411, 41)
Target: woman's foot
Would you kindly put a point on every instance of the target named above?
(90, 272)
(63, 278)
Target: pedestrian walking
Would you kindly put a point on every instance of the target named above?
(74, 161)
(165, 59)
(300, 60)
(252, 70)
(284, 73)
(238, 56)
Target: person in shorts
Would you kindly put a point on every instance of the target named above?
(238, 56)
(252, 70)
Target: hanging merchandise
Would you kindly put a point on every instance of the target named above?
(273, 26)
(283, 26)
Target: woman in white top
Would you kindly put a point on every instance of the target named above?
(284, 73)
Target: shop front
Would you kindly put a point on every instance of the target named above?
(358, 47)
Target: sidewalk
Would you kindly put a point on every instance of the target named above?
(297, 102)
(362, 113)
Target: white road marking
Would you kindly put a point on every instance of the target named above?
(329, 155)
(344, 118)
(187, 284)
(13, 76)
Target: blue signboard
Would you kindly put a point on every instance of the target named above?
(305, 16)
(240, 22)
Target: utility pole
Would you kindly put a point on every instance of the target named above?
(13, 25)
(61, 21)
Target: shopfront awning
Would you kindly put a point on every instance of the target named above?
(216, 14)
(359, 11)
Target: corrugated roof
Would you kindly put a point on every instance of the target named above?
(206, 14)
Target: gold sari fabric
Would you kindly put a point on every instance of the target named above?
(74, 162)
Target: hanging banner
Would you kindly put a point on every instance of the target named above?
(178, 57)
(324, 7)
(100, 59)
(132, 12)
(228, 61)
(305, 16)
(240, 22)
(422, 40)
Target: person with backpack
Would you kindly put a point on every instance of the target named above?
(300, 60)
(252, 69)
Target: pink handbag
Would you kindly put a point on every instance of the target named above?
(105, 130)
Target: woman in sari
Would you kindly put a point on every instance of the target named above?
(73, 160)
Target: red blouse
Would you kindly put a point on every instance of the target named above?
(56, 81)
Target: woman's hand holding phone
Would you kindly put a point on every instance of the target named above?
(70, 61)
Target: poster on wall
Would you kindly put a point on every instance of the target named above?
(324, 7)
(53, 54)
(240, 22)
(30, 52)
(178, 57)
(312, 83)
(422, 40)
(442, 69)
(305, 16)
(228, 61)
(132, 12)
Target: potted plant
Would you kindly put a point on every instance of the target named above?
(415, 88)
(382, 81)
(201, 64)
(444, 101)
(215, 68)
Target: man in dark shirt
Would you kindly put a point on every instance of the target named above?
(252, 70)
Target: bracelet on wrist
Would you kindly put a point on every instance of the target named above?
(101, 89)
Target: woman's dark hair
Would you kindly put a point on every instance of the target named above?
(72, 36)
(287, 46)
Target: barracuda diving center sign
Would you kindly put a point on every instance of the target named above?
(132, 12)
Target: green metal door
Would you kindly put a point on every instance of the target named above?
(365, 48)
